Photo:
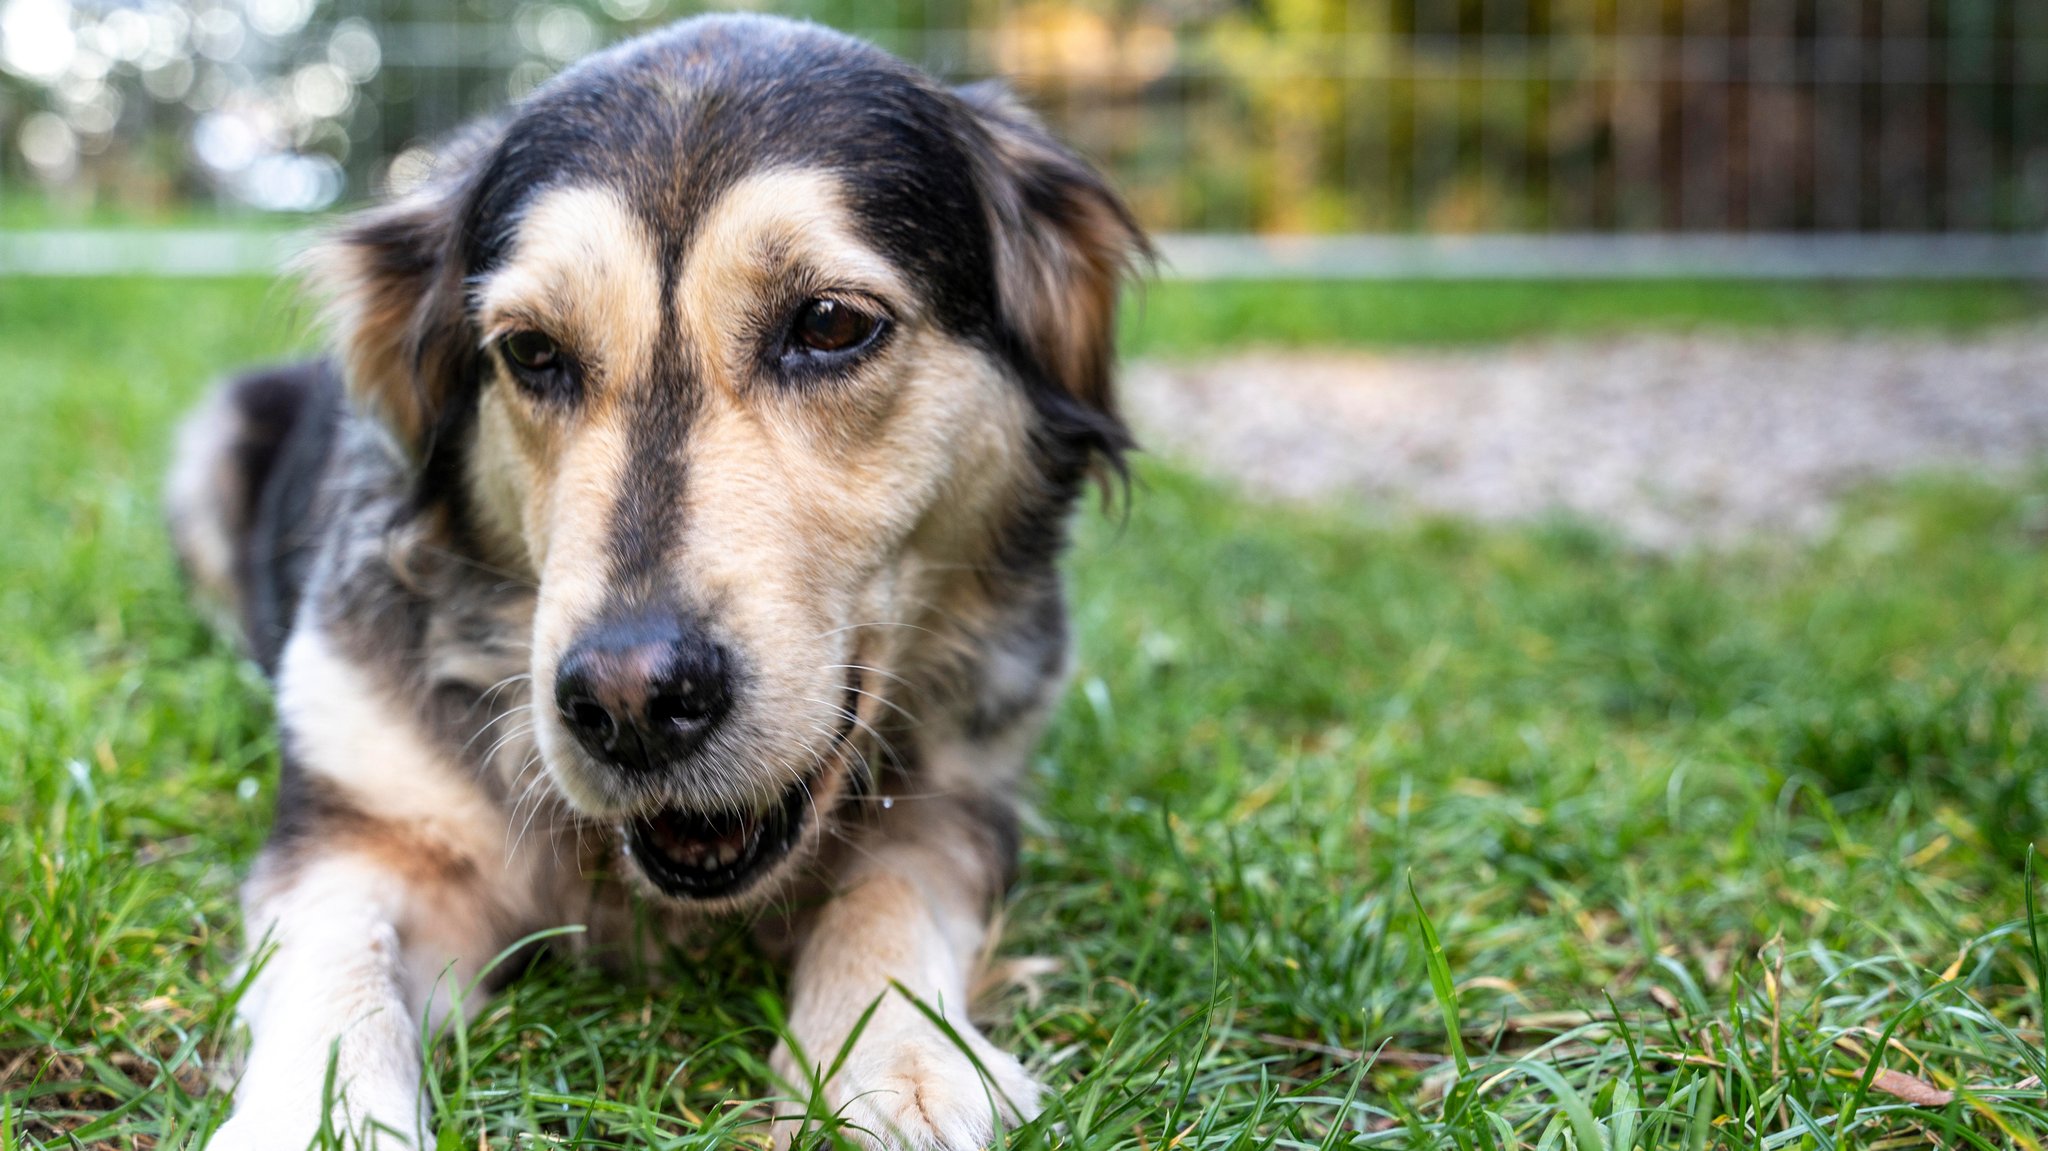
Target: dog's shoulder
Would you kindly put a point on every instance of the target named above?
(328, 541)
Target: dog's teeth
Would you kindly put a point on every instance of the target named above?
(692, 854)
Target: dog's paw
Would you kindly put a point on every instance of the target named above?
(255, 1127)
(921, 1092)
(248, 1129)
(237, 1134)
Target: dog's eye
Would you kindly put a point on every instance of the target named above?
(832, 326)
(531, 351)
(539, 365)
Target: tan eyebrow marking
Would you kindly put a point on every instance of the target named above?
(762, 228)
(584, 269)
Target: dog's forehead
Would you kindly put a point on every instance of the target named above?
(671, 123)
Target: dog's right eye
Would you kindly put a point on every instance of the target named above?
(537, 362)
(531, 351)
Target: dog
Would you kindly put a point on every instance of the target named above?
(672, 533)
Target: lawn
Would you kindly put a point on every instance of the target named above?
(1348, 834)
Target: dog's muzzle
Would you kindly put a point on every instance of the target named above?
(699, 855)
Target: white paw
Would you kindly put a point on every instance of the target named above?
(250, 1129)
(916, 1090)
(293, 1127)
(237, 1134)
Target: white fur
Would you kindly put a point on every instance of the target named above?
(343, 730)
(359, 949)
(333, 981)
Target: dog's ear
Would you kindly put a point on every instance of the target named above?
(1064, 244)
(391, 286)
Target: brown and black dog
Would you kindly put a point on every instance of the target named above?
(676, 524)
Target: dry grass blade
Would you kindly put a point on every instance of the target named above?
(1911, 1089)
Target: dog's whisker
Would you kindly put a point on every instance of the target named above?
(520, 731)
(871, 623)
(891, 704)
(485, 697)
(869, 668)
(512, 578)
(526, 793)
(853, 717)
(491, 692)
(536, 793)
(516, 731)
(524, 710)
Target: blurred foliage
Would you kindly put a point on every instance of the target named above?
(1270, 115)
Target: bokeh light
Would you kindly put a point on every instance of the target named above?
(264, 98)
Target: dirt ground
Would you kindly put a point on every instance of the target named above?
(1675, 440)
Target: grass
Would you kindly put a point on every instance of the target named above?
(1348, 835)
(1181, 319)
(27, 208)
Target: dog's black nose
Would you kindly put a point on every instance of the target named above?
(642, 692)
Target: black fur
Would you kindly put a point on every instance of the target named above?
(647, 519)
(288, 417)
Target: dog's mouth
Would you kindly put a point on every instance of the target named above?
(699, 855)
(718, 855)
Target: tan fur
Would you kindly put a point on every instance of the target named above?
(759, 230)
(583, 271)
(906, 929)
(384, 307)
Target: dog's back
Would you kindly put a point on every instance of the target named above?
(241, 496)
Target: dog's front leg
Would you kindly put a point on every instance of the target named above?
(355, 952)
(911, 917)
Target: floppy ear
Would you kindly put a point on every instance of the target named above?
(392, 292)
(1064, 243)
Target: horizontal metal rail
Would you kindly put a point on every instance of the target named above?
(1608, 256)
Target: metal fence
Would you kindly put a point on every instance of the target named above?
(1269, 116)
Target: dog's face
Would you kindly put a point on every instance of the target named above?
(760, 354)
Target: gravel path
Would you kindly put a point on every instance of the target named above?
(1676, 440)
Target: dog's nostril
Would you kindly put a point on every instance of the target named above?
(691, 696)
(685, 704)
(588, 716)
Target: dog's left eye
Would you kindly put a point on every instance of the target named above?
(831, 329)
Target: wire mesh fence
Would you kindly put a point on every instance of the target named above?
(1275, 116)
